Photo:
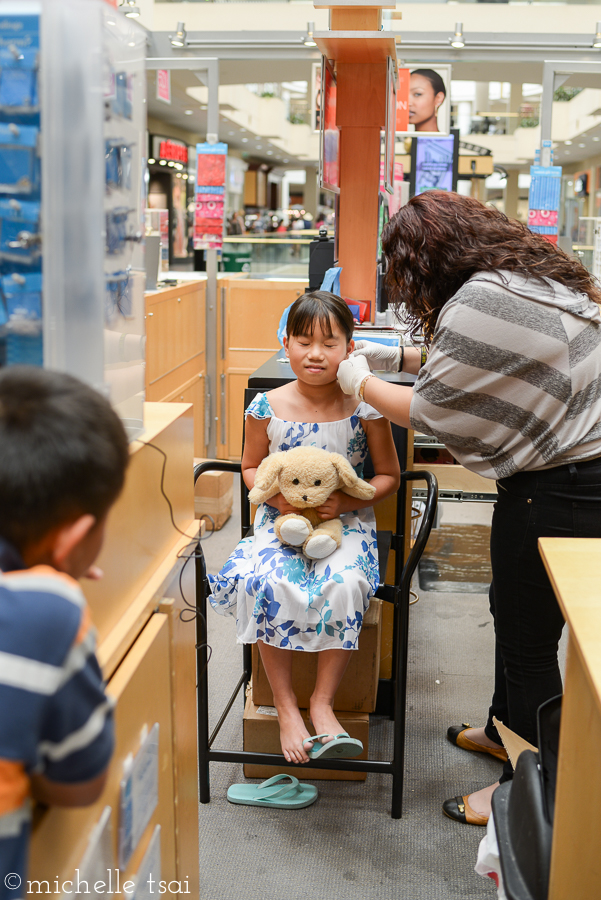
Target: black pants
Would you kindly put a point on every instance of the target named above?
(560, 502)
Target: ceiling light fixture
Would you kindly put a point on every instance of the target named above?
(567, 143)
(308, 38)
(188, 112)
(129, 9)
(245, 140)
(458, 40)
(180, 38)
(597, 38)
(596, 139)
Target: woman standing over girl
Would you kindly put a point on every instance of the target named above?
(282, 600)
(512, 387)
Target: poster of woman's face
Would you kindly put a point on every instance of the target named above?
(428, 100)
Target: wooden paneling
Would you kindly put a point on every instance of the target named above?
(356, 46)
(358, 225)
(142, 692)
(140, 532)
(250, 312)
(574, 567)
(193, 392)
(361, 95)
(175, 329)
(176, 350)
(356, 19)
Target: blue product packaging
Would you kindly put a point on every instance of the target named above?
(23, 298)
(19, 158)
(118, 298)
(116, 230)
(19, 230)
(18, 79)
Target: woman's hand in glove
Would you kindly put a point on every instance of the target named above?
(351, 373)
(379, 356)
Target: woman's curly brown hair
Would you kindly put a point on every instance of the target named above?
(440, 239)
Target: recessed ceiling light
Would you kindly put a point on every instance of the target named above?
(188, 112)
(567, 152)
(270, 153)
(596, 139)
(259, 146)
(231, 133)
(245, 140)
(582, 145)
(286, 160)
(567, 143)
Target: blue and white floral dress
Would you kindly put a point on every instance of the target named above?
(277, 594)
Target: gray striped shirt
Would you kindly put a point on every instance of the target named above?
(513, 377)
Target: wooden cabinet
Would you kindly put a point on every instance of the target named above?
(176, 351)
(249, 315)
(148, 657)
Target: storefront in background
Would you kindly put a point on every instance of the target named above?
(170, 187)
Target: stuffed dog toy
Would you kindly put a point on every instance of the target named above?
(306, 476)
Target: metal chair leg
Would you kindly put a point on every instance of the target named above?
(202, 677)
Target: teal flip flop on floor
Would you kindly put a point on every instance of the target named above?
(291, 795)
(340, 746)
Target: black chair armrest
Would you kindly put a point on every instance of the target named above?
(426, 525)
(216, 465)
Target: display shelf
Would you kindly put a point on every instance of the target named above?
(357, 46)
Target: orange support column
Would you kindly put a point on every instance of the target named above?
(359, 50)
(360, 115)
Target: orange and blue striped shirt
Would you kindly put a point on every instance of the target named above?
(55, 718)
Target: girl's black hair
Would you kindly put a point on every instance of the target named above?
(323, 307)
(434, 78)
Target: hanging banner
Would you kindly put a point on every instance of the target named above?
(209, 211)
(543, 201)
(164, 85)
(402, 100)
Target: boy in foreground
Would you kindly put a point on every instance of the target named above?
(63, 456)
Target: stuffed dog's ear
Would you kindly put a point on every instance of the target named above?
(267, 478)
(350, 483)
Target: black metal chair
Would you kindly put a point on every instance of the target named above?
(398, 594)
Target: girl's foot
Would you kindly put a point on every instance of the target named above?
(293, 735)
(324, 721)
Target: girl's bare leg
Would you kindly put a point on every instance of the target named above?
(331, 666)
(278, 666)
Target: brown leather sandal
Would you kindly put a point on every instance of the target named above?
(459, 809)
(456, 736)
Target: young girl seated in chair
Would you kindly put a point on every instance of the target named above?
(283, 600)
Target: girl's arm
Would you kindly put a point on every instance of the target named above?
(386, 466)
(256, 448)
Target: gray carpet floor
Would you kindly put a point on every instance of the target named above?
(346, 845)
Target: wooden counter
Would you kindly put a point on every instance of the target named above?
(574, 567)
(176, 350)
(147, 655)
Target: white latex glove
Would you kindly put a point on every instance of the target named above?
(351, 373)
(379, 356)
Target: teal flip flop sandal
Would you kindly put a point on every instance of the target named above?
(341, 746)
(292, 795)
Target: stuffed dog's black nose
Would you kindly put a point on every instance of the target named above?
(305, 498)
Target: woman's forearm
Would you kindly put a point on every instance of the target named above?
(391, 400)
(412, 360)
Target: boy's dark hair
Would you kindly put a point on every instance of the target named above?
(323, 306)
(63, 452)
